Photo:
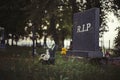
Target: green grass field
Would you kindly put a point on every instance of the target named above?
(16, 63)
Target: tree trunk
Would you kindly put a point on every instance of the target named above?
(7, 43)
(62, 43)
(36, 42)
(12, 39)
(45, 39)
(16, 42)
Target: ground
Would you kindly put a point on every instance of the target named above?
(16, 63)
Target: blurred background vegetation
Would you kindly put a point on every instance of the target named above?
(51, 18)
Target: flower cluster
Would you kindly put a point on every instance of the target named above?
(45, 56)
(63, 52)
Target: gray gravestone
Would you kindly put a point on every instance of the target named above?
(2, 38)
(86, 34)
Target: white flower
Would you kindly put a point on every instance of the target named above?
(45, 56)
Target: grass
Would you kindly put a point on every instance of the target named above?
(16, 63)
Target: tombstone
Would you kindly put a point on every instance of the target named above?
(2, 38)
(85, 40)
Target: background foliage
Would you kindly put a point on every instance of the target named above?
(50, 18)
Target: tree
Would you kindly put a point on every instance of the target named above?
(117, 39)
(61, 12)
(43, 13)
(117, 43)
(12, 17)
(54, 15)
